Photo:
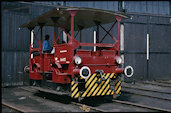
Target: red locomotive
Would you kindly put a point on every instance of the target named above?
(71, 69)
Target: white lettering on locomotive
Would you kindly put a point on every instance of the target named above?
(63, 51)
(62, 59)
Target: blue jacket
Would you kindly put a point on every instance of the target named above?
(46, 45)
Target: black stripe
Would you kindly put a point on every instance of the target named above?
(75, 87)
(89, 85)
(90, 77)
(107, 90)
(96, 87)
(118, 87)
(111, 92)
(73, 84)
(91, 81)
(76, 93)
(104, 83)
(107, 85)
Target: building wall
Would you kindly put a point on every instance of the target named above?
(15, 41)
(153, 17)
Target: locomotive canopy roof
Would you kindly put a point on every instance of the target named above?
(85, 17)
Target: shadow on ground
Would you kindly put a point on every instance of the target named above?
(91, 101)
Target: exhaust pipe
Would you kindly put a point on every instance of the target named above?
(128, 71)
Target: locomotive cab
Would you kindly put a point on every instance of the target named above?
(71, 69)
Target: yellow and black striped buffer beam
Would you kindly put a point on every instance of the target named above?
(95, 86)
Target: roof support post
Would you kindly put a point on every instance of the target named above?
(118, 18)
(72, 13)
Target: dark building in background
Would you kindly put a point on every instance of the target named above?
(148, 17)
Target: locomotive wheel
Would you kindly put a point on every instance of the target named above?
(34, 83)
(31, 82)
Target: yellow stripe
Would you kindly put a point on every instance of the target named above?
(105, 90)
(72, 83)
(117, 85)
(88, 82)
(104, 85)
(107, 75)
(74, 87)
(112, 92)
(99, 86)
(76, 96)
(74, 92)
(108, 92)
(91, 91)
(108, 86)
(97, 89)
(111, 75)
(117, 92)
(89, 87)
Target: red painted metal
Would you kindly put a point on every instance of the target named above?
(118, 18)
(61, 63)
(119, 70)
(35, 76)
(76, 71)
(72, 13)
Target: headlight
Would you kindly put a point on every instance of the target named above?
(78, 60)
(118, 60)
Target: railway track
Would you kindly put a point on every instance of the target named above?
(165, 82)
(158, 84)
(87, 108)
(142, 106)
(83, 107)
(147, 95)
(146, 89)
(13, 107)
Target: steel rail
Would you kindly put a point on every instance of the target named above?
(13, 107)
(78, 104)
(142, 106)
(146, 89)
(148, 95)
(118, 101)
(27, 90)
(164, 85)
(166, 82)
